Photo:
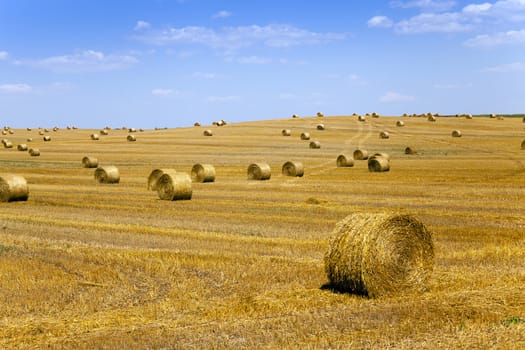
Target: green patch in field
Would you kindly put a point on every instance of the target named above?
(511, 321)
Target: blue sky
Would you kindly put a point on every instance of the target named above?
(167, 63)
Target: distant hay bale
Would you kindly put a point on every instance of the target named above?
(40, 133)
(523, 144)
(492, 116)
(320, 126)
(360, 154)
(320, 114)
(13, 188)
(173, 186)
(22, 147)
(292, 168)
(94, 136)
(468, 116)
(384, 135)
(141, 130)
(46, 130)
(47, 138)
(375, 115)
(286, 132)
(378, 164)
(523, 120)
(132, 130)
(259, 171)
(381, 154)
(203, 173)
(295, 116)
(410, 150)
(344, 161)
(384, 254)
(405, 115)
(104, 132)
(305, 136)
(8, 144)
(131, 138)
(34, 152)
(28, 129)
(431, 118)
(207, 132)
(315, 144)
(11, 131)
(107, 174)
(4, 132)
(196, 124)
(55, 129)
(4, 141)
(400, 123)
(154, 177)
(500, 117)
(29, 139)
(89, 162)
(361, 118)
(456, 133)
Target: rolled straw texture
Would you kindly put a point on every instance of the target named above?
(13, 188)
(315, 144)
(259, 171)
(34, 152)
(154, 177)
(305, 136)
(89, 162)
(378, 164)
(173, 186)
(107, 174)
(344, 160)
(22, 147)
(203, 173)
(360, 154)
(382, 254)
(286, 132)
(292, 168)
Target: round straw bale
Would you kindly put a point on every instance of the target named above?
(154, 177)
(55, 128)
(360, 154)
(492, 115)
(207, 132)
(344, 161)
(173, 186)
(384, 135)
(295, 116)
(13, 188)
(378, 164)
(375, 115)
(456, 133)
(305, 136)
(8, 144)
(320, 126)
(104, 132)
(89, 162)
(47, 138)
(28, 129)
(410, 150)
(4, 132)
(523, 145)
(320, 114)
(40, 133)
(203, 173)
(132, 130)
(196, 124)
(400, 123)
(29, 139)
(34, 152)
(46, 130)
(141, 130)
(361, 118)
(286, 132)
(381, 154)
(259, 171)
(22, 147)
(107, 174)
(94, 136)
(11, 131)
(131, 138)
(382, 254)
(405, 115)
(431, 118)
(315, 144)
(292, 168)
(523, 119)
(500, 117)
(4, 141)
(468, 116)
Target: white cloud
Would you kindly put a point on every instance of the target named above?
(516, 67)
(142, 25)
(394, 97)
(254, 60)
(3, 55)
(15, 88)
(223, 98)
(477, 8)
(205, 75)
(448, 22)
(222, 14)
(232, 38)
(85, 61)
(163, 92)
(380, 21)
(498, 39)
(425, 4)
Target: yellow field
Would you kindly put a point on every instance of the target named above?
(85, 265)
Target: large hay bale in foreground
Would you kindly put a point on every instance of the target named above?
(259, 171)
(22, 147)
(315, 144)
(13, 188)
(107, 174)
(154, 177)
(305, 136)
(292, 168)
(203, 173)
(378, 164)
(173, 186)
(360, 154)
(34, 152)
(344, 160)
(89, 162)
(286, 132)
(456, 133)
(377, 255)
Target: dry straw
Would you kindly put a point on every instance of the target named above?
(8, 144)
(40, 133)
(384, 254)
(384, 135)
(382, 155)
(315, 144)
(344, 161)
(410, 150)
(196, 124)
(456, 133)
(523, 119)
(295, 116)
(292, 168)
(305, 136)
(203, 173)
(47, 138)
(468, 116)
(259, 171)
(320, 126)
(29, 139)
(22, 147)
(13, 188)
(132, 130)
(89, 162)
(375, 115)
(104, 132)
(34, 152)
(400, 123)
(207, 132)
(131, 138)
(431, 118)
(523, 145)
(94, 136)
(378, 164)
(361, 118)
(173, 186)
(360, 154)
(320, 114)
(107, 174)
(154, 177)
(286, 132)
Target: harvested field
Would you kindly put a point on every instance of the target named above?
(240, 265)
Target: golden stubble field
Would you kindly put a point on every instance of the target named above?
(85, 265)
